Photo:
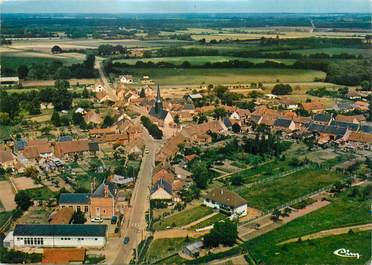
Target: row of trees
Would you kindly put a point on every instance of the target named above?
(12, 104)
(152, 128)
(54, 70)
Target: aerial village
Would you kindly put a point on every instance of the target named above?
(73, 195)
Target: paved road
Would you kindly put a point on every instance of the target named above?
(139, 205)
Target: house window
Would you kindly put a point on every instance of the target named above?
(104, 211)
(86, 209)
(78, 208)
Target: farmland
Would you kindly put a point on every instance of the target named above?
(199, 60)
(168, 76)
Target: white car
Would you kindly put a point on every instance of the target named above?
(96, 220)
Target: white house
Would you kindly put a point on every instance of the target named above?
(98, 88)
(226, 201)
(235, 116)
(126, 79)
(56, 235)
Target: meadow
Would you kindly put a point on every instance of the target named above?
(14, 62)
(200, 60)
(279, 191)
(183, 218)
(337, 214)
(170, 76)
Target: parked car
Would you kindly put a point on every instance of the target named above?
(96, 220)
(114, 220)
(126, 240)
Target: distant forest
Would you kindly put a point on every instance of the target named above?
(34, 25)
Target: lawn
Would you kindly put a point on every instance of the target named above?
(193, 76)
(199, 60)
(320, 251)
(266, 196)
(161, 248)
(214, 219)
(183, 218)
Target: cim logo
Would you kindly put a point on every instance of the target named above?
(343, 252)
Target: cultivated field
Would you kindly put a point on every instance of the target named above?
(199, 60)
(168, 76)
(280, 191)
(7, 196)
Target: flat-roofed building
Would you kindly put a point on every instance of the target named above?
(57, 236)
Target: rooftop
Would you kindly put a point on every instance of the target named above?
(226, 197)
(74, 198)
(60, 230)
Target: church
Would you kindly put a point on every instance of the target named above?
(158, 114)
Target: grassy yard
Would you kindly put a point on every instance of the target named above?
(320, 251)
(161, 248)
(5, 132)
(268, 195)
(183, 218)
(214, 219)
(199, 60)
(170, 76)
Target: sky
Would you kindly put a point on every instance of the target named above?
(185, 6)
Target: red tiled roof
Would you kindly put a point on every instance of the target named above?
(163, 174)
(351, 118)
(311, 106)
(63, 216)
(63, 255)
(62, 148)
(6, 156)
(360, 137)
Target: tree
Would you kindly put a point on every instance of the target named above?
(85, 93)
(55, 119)
(142, 93)
(22, 71)
(281, 89)
(200, 173)
(369, 118)
(62, 98)
(90, 61)
(225, 233)
(108, 121)
(177, 119)
(219, 113)
(4, 118)
(309, 142)
(236, 180)
(78, 217)
(32, 172)
(236, 128)
(23, 200)
(56, 49)
(275, 215)
(365, 85)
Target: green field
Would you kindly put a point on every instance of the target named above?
(280, 191)
(161, 248)
(320, 251)
(14, 61)
(214, 219)
(170, 76)
(199, 60)
(337, 214)
(41, 194)
(330, 51)
(183, 218)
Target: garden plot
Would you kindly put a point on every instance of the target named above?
(7, 196)
(24, 183)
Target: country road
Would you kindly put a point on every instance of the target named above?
(139, 204)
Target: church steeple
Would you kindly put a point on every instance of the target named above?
(158, 101)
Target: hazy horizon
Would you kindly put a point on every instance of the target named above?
(184, 6)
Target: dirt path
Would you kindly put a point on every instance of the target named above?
(175, 233)
(7, 195)
(236, 260)
(199, 220)
(331, 232)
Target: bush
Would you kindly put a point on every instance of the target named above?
(282, 89)
(152, 128)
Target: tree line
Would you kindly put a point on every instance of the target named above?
(152, 128)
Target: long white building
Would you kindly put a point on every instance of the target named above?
(55, 235)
